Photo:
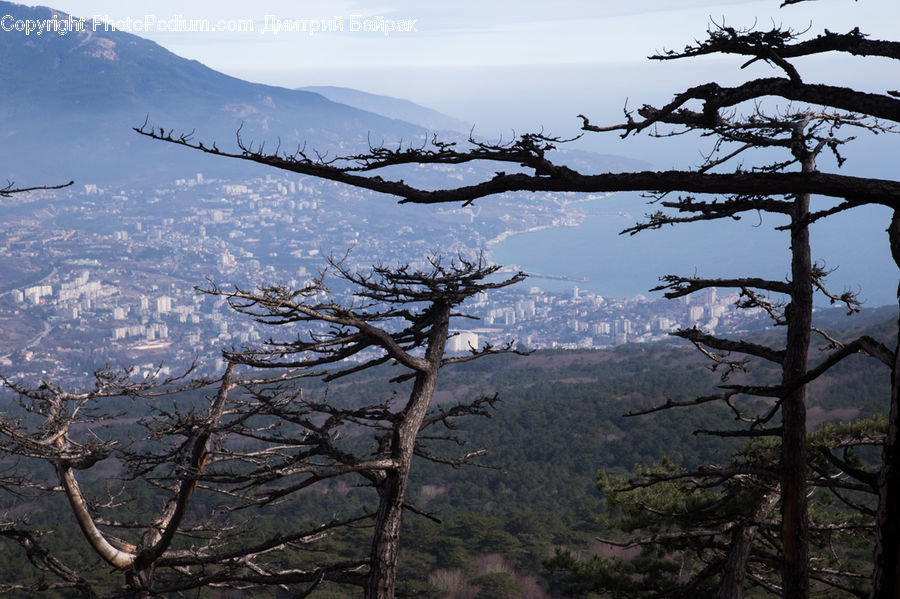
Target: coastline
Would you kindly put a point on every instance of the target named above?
(571, 220)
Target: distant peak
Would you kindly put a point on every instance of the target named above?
(391, 107)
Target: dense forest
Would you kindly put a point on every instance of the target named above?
(493, 531)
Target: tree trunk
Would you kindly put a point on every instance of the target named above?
(386, 541)
(389, 518)
(731, 585)
(886, 573)
(138, 582)
(794, 508)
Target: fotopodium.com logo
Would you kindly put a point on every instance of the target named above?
(271, 25)
(175, 24)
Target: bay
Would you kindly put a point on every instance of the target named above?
(597, 258)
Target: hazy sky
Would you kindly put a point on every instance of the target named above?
(501, 64)
(468, 32)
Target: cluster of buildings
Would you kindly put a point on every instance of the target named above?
(115, 276)
(542, 319)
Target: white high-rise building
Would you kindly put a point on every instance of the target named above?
(163, 304)
(462, 342)
(696, 313)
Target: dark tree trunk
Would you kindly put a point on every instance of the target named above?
(391, 493)
(731, 585)
(389, 518)
(886, 574)
(386, 541)
(138, 583)
(794, 507)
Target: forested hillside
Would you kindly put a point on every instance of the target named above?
(559, 419)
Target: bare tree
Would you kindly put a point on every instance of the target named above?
(805, 135)
(354, 332)
(58, 419)
(14, 529)
(713, 110)
(64, 577)
(264, 444)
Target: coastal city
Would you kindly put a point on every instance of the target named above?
(96, 276)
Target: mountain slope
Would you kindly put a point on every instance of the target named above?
(68, 103)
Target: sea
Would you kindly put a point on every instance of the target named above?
(598, 258)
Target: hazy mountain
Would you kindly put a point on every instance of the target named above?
(395, 108)
(68, 102)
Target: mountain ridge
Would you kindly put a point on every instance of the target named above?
(103, 83)
(70, 102)
(392, 107)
